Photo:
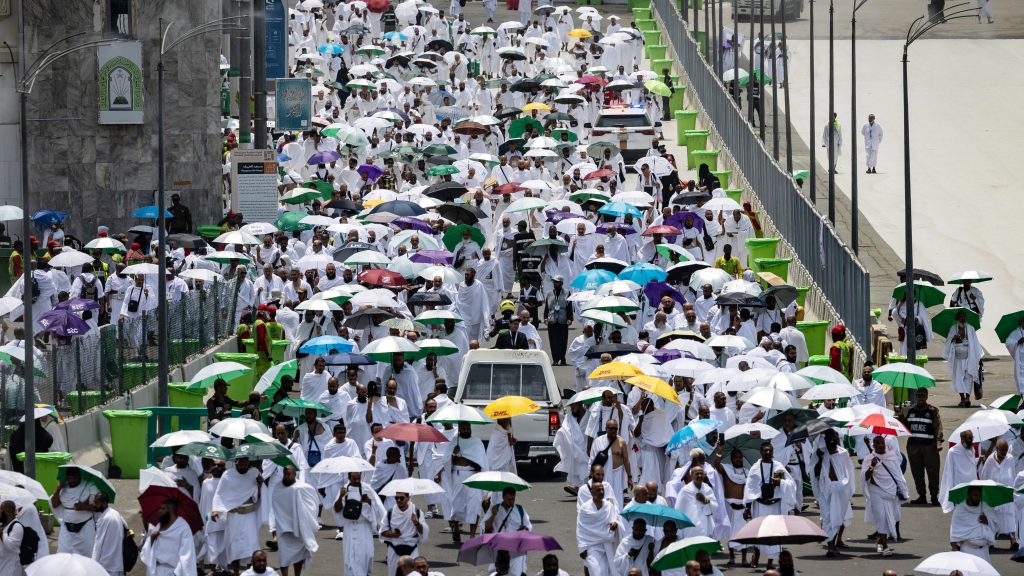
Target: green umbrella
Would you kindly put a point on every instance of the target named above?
(680, 552)
(903, 375)
(270, 382)
(520, 126)
(89, 476)
(668, 250)
(658, 87)
(437, 346)
(992, 493)
(946, 319)
(296, 407)
(16, 357)
(507, 144)
(582, 196)
(557, 135)
(766, 79)
(748, 445)
(301, 196)
(259, 451)
(1008, 323)
(496, 481)
(359, 83)
(212, 450)
(596, 150)
(926, 294)
(453, 235)
(325, 188)
(289, 221)
(439, 150)
(442, 170)
(541, 247)
(801, 175)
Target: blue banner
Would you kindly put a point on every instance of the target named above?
(294, 98)
(276, 41)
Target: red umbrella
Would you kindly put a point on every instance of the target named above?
(510, 188)
(412, 432)
(591, 79)
(602, 173)
(779, 530)
(881, 424)
(381, 277)
(666, 230)
(378, 6)
(154, 497)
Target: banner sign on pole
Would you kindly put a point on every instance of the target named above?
(294, 104)
(254, 184)
(276, 39)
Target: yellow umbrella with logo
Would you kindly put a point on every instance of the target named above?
(539, 106)
(615, 371)
(580, 33)
(509, 406)
(655, 386)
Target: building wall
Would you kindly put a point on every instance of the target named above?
(101, 173)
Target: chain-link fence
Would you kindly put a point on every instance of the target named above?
(79, 373)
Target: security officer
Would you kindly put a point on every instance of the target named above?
(924, 444)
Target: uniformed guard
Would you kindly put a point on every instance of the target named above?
(924, 444)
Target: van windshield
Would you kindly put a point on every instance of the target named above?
(487, 381)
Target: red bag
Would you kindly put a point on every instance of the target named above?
(512, 4)
(378, 6)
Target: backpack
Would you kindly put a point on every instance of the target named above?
(90, 292)
(29, 544)
(129, 550)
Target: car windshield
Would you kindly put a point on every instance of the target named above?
(487, 381)
(623, 121)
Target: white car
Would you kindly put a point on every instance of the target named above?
(631, 129)
(747, 9)
(487, 375)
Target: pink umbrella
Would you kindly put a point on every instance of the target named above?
(778, 530)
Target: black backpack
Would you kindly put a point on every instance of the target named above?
(129, 550)
(29, 544)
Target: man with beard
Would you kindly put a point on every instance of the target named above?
(1001, 467)
(697, 500)
(214, 529)
(330, 279)
(769, 490)
(296, 518)
(361, 512)
(403, 529)
(885, 490)
(598, 530)
(429, 457)
(636, 550)
(734, 480)
(610, 448)
(72, 503)
(110, 527)
(504, 243)
(168, 549)
(258, 566)
(833, 483)
(786, 566)
(388, 409)
(508, 516)
(569, 442)
(972, 528)
(184, 476)
(336, 400)
(473, 304)
(237, 499)
(464, 457)
(330, 484)
(355, 414)
(407, 384)
(312, 435)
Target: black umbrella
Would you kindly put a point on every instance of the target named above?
(508, 113)
(424, 63)
(366, 318)
(439, 44)
(543, 10)
(784, 294)
(399, 208)
(446, 191)
(920, 274)
(680, 273)
(507, 144)
(741, 299)
(350, 359)
(605, 264)
(461, 213)
(526, 85)
(801, 415)
(442, 160)
(512, 54)
(186, 241)
(355, 29)
(689, 197)
(429, 298)
(677, 335)
(400, 59)
(350, 248)
(810, 430)
(613, 349)
(345, 205)
(559, 117)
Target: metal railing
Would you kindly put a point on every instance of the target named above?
(79, 373)
(839, 283)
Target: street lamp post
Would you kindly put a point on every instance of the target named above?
(831, 114)
(919, 28)
(814, 149)
(855, 216)
(163, 363)
(785, 95)
(775, 87)
(760, 69)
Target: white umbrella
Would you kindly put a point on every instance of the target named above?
(367, 257)
(751, 379)
(412, 487)
(154, 476)
(180, 438)
(603, 317)
(390, 345)
(69, 258)
(540, 153)
(11, 213)
(568, 226)
(238, 428)
(541, 142)
(237, 237)
(830, 391)
(972, 275)
(634, 196)
(766, 431)
(696, 349)
(104, 244)
(591, 394)
(376, 298)
(20, 480)
(318, 306)
(453, 413)
(715, 376)
(200, 274)
(729, 341)
(686, 367)
(752, 361)
(945, 562)
(208, 374)
(714, 276)
(448, 275)
(145, 268)
(524, 204)
(721, 205)
(823, 374)
(769, 398)
(317, 220)
(313, 261)
(617, 287)
(19, 496)
(341, 465)
(9, 305)
(259, 228)
(988, 424)
(65, 565)
(741, 287)
(788, 382)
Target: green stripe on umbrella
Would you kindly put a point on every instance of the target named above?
(212, 450)
(15, 356)
(926, 294)
(903, 375)
(296, 407)
(453, 235)
(1008, 323)
(89, 476)
(678, 553)
(442, 170)
(260, 451)
(289, 221)
(270, 381)
(496, 481)
(992, 493)
(209, 375)
(946, 319)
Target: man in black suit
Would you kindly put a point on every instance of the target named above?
(511, 339)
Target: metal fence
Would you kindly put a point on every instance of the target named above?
(825, 262)
(76, 374)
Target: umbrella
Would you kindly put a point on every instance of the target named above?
(823, 375)
(880, 424)
(366, 318)
(714, 276)
(411, 486)
(65, 564)
(145, 269)
(612, 304)
(769, 398)
(237, 237)
(974, 276)
(729, 341)
(810, 429)
(227, 257)
(272, 377)
(480, 549)
(89, 476)
(70, 258)
(592, 279)
(341, 465)
(200, 274)
(1008, 323)
(831, 391)
(919, 274)
(297, 407)
(496, 481)
(412, 432)
(615, 371)
(686, 367)
(604, 317)
(680, 552)
(154, 497)
(261, 450)
(800, 416)
(180, 438)
(656, 515)
(778, 530)
(15, 356)
(927, 295)
(150, 212)
(903, 375)
(326, 345)
(643, 273)
(692, 433)
(1007, 402)
(655, 386)
(46, 218)
(612, 349)
(542, 246)
(463, 215)
(683, 272)
(63, 323)
(238, 428)
(381, 277)
(8, 213)
(945, 562)
(109, 245)
(367, 258)
(944, 321)
(454, 413)
(382, 349)
(206, 377)
(992, 493)
(12, 305)
(19, 480)
(399, 208)
(19, 496)
(510, 406)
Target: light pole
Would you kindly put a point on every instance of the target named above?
(919, 28)
(163, 364)
(831, 114)
(785, 95)
(27, 74)
(855, 216)
(736, 46)
(814, 149)
(775, 88)
(760, 69)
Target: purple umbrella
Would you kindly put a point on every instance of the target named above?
(556, 216)
(370, 171)
(440, 257)
(655, 290)
(623, 229)
(481, 549)
(408, 223)
(78, 305)
(323, 157)
(667, 354)
(63, 323)
(677, 220)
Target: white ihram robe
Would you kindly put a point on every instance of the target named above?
(109, 534)
(962, 359)
(214, 529)
(465, 502)
(296, 510)
(961, 466)
(595, 536)
(1017, 355)
(701, 514)
(241, 531)
(834, 496)
(401, 520)
(785, 494)
(172, 554)
(885, 492)
(1005, 518)
(571, 446)
(72, 542)
(358, 542)
(968, 532)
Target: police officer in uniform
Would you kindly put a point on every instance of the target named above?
(924, 444)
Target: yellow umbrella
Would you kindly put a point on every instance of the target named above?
(580, 33)
(615, 371)
(655, 386)
(540, 106)
(371, 203)
(509, 406)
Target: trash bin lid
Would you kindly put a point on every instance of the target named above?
(58, 457)
(111, 414)
(241, 357)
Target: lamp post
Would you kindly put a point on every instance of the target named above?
(855, 216)
(919, 28)
(831, 114)
(27, 74)
(760, 69)
(163, 363)
(785, 95)
(814, 149)
(775, 88)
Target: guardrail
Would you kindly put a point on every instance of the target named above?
(840, 287)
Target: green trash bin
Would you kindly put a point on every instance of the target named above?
(760, 248)
(777, 266)
(82, 402)
(698, 37)
(656, 51)
(209, 231)
(814, 332)
(659, 64)
(736, 195)
(686, 120)
(678, 99)
(247, 345)
(652, 37)
(817, 360)
(128, 439)
(695, 140)
(180, 350)
(640, 13)
(179, 396)
(801, 295)
(137, 374)
(645, 24)
(239, 387)
(47, 464)
(723, 177)
(709, 157)
(277, 350)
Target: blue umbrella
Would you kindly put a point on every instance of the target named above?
(693, 433)
(151, 212)
(283, 157)
(437, 97)
(326, 344)
(643, 273)
(620, 209)
(656, 515)
(350, 359)
(63, 323)
(46, 218)
(330, 48)
(395, 35)
(591, 279)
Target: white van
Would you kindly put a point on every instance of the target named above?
(487, 375)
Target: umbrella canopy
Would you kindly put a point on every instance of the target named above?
(643, 273)
(65, 564)
(656, 515)
(238, 428)
(778, 530)
(205, 449)
(830, 391)
(615, 371)
(655, 386)
(1008, 323)
(920, 274)
(154, 497)
(944, 321)
(382, 349)
(880, 424)
(496, 481)
(341, 465)
(259, 450)
(510, 406)
(591, 279)
(412, 432)
(412, 487)
(692, 433)
(180, 438)
(903, 375)
(944, 562)
(90, 476)
(17, 479)
(973, 276)
(680, 552)
(295, 407)
(992, 493)
(326, 345)
(20, 496)
(823, 375)
(455, 413)
(927, 295)
(272, 377)
(206, 377)
(63, 323)
(769, 398)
